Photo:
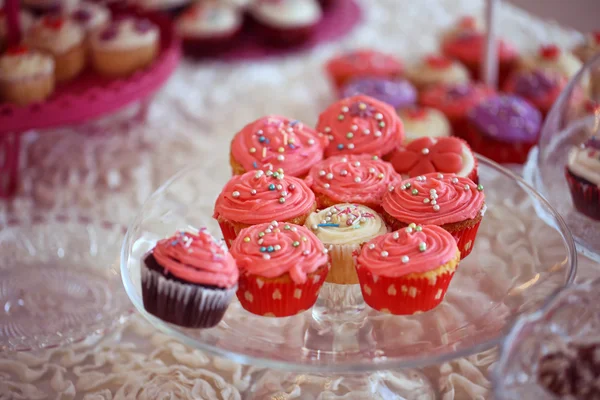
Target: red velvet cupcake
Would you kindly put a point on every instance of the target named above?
(356, 179)
(282, 267)
(363, 64)
(189, 280)
(408, 271)
(455, 203)
(455, 101)
(360, 125)
(448, 155)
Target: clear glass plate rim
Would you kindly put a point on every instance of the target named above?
(353, 367)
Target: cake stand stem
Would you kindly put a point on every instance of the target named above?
(490, 62)
(9, 163)
(339, 303)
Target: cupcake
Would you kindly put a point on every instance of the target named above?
(408, 271)
(124, 46)
(360, 125)
(189, 280)
(25, 22)
(455, 101)
(503, 128)
(540, 87)
(452, 202)
(260, 196)
(274, 142)
(552, 58)
(64, 40)
(363, 64)
(343, 229)
(397, 93)
(465, 42)
(357, 179)
(50, 6)
(424, 121)
(282, 267)
(583, 177)
(25, 76)
(426, 155)
(437, 70)
(585, 52)
(286, 22)
(208, 28)
(90, 16)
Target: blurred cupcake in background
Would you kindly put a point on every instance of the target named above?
(26, 76)
(90, 16)
(437, 70)
(397, 93)
(583, 177)
(424, 121)
(363, 63)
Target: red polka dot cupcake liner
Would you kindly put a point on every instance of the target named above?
(229, 232)
(405, 295)
(501, 152)
(279, 297)
(465, 238)
(585, 195)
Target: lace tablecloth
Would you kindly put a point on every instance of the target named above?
(109, 173)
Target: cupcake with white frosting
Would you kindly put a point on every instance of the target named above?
(285, 22)
(64, 40)
(124, 46)
(343, 229)
(583, 176)
(437, 70)
(26, 76)
(90, 16)
(424, 121)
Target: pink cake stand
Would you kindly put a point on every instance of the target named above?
(88, 97)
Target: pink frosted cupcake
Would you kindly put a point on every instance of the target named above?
(209, 28)
(452, 202)
(426, 155)
(424, 121)
(287, 22)
(437, 70)
(257, 197)
(189, 280)
(363, 64)
(360, 125)
(455, 102)
(356, 179)
(276, 142)
(282, 267)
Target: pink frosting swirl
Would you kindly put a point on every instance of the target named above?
(260, 196)
(197, 258)
(360, 125)
(416, 249)
(270, 250)
(435, 199)
(352, 178)
(278, 142)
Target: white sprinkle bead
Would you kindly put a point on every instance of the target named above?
(268, 230)
(311, 141)
(357, 179)
(433, 196)
(467, 187)
(305, 252)
(436, 208)
(277, 247)
(325, 251)
(253, 192)
(367, 132)
(258, 174)
(280, 157)
(327, 186)
(354, 127)
(350, 146)
(279, 187)
(371, 246)
(343, 172)
(357, 164)
(405, 259)
(322, 173)
(395, 235)
(235, 194)
(409, 230)
(425, 201)
(390, 188)
(344, 159)
(384, 253)
(454, 180)
(371, 170)
(440, 176)
(432, 191)
(284, 193)
(433, 202)
(329, 176)
(425, 150)
(377, 133)
(266, 256)
(345, 109)
(294, 229)
(275, 223)
(314, 227)
(269, 173)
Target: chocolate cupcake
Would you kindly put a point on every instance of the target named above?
(189, 280)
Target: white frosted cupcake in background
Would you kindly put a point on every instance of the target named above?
(25, 22)
(437, 70)
(343, 229)
(124, 46)
(424, 121)
(26, 76)
(64, 40)
(90, 16)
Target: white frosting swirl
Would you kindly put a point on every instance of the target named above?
(207, 19)
(434, 123)
(287, 13)
(585, 163)
(24, 66)
(126, 37)
(346, 224)
(56, 38)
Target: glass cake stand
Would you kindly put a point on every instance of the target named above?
(518, 263)
(568, 124)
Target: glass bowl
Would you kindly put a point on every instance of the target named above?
(568, 124)
(517, 264)
(60, 280)
(573, 316)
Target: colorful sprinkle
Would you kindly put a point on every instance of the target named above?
(415, 192)
(340, 146)
(246, 239)
(436, 208)
(480, 187)
(405, 259)
(282, 200)
(422, 246)
(271, 187)
(235, 194)
(296, 243)
(327, 225)
(384, 253)
(252, 150)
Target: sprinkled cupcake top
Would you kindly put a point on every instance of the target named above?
(507, 118)
(208, 19)
(259, 196)
(126, 33)
(584, 160)
(346, 224)
(54, 34)
(197, 258)
(424, 121)
(427, 155)
(455, 100)
(365, 63)
(272, 249)
(435, 199)
(278, 142)
(352, 179)
(415, 249)
(396, 93)
(360, 125)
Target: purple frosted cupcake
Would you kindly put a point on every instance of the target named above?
(397, 93)
(503, 128)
